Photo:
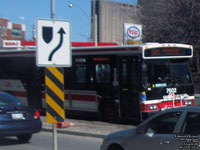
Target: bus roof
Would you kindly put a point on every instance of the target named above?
(91, 50)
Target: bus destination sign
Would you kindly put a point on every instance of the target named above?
(167, 51)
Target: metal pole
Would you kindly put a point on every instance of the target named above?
(1, 32)
(95, 18)
(52, 9)
(55, 146)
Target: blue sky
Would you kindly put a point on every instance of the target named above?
(28, 11)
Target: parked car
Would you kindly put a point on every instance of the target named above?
(16, 119)
(173, 129)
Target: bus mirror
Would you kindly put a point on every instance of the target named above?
(144, 67)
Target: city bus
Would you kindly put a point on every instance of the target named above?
(111, 82)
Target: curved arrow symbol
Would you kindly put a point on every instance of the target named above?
(61, 32)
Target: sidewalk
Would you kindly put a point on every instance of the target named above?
(86, 128)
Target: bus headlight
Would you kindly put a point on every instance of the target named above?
(152, 107)
(188, 102)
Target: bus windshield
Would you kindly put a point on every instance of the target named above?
(180, 72)
(163, 73)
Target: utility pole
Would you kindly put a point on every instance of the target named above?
(1, 32)
(94, 23)
(96, 28)
(92, 19)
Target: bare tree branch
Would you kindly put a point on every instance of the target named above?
(176, 21)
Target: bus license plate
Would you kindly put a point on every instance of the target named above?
(17, 116)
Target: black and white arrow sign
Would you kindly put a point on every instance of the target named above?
(61, 32)
(53, 43)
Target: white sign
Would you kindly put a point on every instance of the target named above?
(53, 43)
(132, 32)
(11, 43)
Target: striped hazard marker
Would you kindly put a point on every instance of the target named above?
(54, 80)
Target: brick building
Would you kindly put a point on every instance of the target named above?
(11, 31)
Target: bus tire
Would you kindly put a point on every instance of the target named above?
(109, 113)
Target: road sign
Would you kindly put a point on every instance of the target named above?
(54, 80)
(53, 43)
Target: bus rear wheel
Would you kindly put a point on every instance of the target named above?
(109, 113)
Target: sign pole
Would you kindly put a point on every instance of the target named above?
(54, 57)
(55, 141)
(55, 145)
(52, 9)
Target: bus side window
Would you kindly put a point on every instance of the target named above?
(80, 70)
(134, 72)
(124, 73)
(68, 79)
(103, 73)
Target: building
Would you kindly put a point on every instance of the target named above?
(111, 17)
(11, 31)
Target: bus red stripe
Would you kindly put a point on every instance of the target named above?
(79, 97)
(166, 104)
(17, 93)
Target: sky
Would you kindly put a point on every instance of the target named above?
(28, 11)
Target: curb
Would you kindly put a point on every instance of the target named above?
(74, 133)
(84, 128)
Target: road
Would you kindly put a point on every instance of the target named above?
(44, 141)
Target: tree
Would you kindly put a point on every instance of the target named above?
(174, 21)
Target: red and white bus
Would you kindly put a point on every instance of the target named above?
(112, 82)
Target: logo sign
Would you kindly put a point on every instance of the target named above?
(11, 43)
(53, 43)
(132, 33)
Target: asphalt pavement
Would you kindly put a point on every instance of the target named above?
(91, 128)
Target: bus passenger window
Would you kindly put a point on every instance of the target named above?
(80, 71)
(124, 76)
(103, 73)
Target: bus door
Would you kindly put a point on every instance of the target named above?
(129, 86)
